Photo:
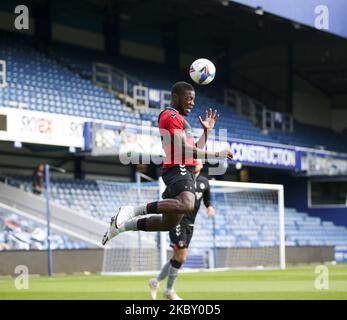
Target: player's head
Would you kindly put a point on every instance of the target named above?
(182, 97)
(199, 166)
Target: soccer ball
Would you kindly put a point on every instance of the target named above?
(202, 71)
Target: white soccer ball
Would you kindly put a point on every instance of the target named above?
(202, 71)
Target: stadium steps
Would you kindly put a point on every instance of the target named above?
(82, 227)
(19, 231)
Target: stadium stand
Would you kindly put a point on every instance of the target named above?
(311, 137)
(17, 233)
(37, 82)
(240, 127)
(236, 225)
(62, 84)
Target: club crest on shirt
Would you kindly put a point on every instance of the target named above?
(198, 195)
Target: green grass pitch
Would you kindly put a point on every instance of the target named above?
(292, 283)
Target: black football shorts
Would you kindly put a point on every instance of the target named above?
(180, 236)
(178, 178)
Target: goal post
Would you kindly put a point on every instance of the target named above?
(163, 235)
(248, 230)
(260, 204)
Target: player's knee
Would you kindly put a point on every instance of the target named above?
(180, 253)
(181, 259)
(186, 203)
(187, 207)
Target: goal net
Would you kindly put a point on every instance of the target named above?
(135, 251)
(247, 231)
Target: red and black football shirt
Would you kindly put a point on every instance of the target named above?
(171, 123)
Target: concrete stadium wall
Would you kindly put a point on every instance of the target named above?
(142, 51)
(311, 106)
(75, 36)
(339, 112)
(64, 261)
(270, 61)
(250, 257)
(91, 260)
(307, 254)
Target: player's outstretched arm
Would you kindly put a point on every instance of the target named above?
(211, 118)
(197, 153)
(208, 201)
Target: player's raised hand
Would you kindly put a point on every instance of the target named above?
(211, 212)
(211, 117)
(225, 154)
